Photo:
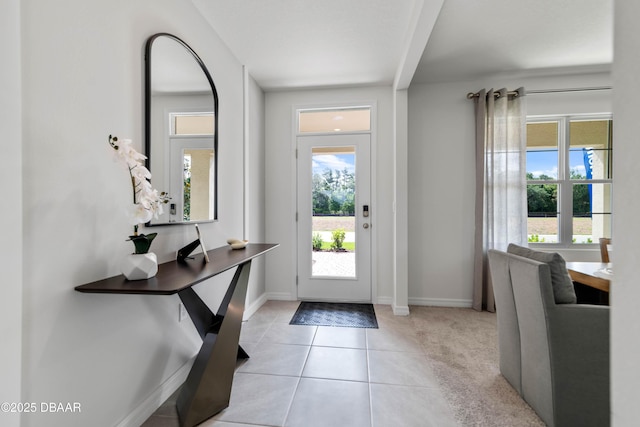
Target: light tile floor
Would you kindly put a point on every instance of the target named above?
(308, 376)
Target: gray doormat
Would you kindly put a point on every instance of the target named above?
(349, 315)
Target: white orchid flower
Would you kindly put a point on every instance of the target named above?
(125, 152)
(155, 202)
(134, 159)
(139, 214)
(121, 148)
(140, 172)
(143, 190)
(147, 202)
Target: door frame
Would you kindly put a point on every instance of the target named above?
(373, 106)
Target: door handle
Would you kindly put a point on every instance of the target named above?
(365, 225)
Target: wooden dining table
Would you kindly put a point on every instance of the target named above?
(585, 273)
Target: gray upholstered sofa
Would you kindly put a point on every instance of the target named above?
(554, 352)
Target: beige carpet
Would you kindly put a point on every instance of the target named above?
(462, 346)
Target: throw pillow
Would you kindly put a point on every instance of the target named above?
(563, 290)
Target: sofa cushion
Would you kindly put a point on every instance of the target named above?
(563, 290)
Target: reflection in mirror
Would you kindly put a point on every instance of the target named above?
(181, 130)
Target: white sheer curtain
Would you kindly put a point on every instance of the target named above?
(501, 194)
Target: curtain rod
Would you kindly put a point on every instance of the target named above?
(472, 95)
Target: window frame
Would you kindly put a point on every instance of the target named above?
(564, 182)
(334, 110)
(172, 115)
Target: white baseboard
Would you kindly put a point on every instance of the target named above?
(441, 302)
(400, 310)
(280, 296)
(384, 300)
(435, 302)
(255, 306)
(139, 415)
(397, 310)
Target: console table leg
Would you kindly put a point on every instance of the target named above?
(200, 314)
(242, 354)
(208, 386)
(202, 317)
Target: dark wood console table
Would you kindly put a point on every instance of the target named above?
(208, 386)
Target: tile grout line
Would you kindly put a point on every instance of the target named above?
(293, 397)
(366, 345)
(306, 359)
(295, 391)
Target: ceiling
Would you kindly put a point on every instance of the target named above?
(476, 38)
(289, 44)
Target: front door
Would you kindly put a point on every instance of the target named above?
(334, 217)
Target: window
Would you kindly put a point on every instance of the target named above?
(351, 119)
(569, 181)
(191, 124)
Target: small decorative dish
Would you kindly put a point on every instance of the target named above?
(237, 243)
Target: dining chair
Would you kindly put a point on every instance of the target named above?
(604, 248)
(507, 319)
(564, 350)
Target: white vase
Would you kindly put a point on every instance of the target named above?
(140, 266)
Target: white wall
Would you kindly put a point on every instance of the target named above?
(280, 180)
(83, 80)
(255, 191)
(11, 215)
(400, 303)
(625, 315)
(442, 171)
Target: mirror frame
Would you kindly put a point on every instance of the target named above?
(147, 119)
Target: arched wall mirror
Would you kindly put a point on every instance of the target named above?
(181, 130)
